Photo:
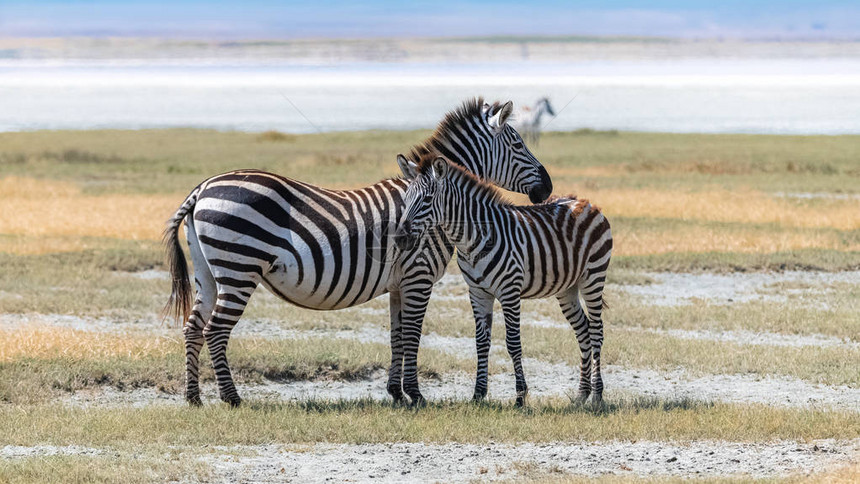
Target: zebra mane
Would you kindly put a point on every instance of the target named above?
(560, 198)
(480, 187)
(470, 109)
(489, 191)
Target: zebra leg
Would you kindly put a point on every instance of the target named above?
(482, 308)
(230, 305)
(395, 371)
(204, 303)
(511, 309)
(572, 310)
(414, 299)
(596, 331)
(592, 295)
(193, 332)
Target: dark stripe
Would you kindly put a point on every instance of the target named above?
(235, 248)
(606, 247)
(229, 281)
(229, 311)
(279, 185)
(236, 266)
(226, 296)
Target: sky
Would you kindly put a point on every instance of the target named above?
(258, 19)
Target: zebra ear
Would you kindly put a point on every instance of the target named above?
(409, 169)
(440, 168)
(500, 118)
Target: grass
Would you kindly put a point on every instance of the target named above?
(131, 467)
(81, 211)
(634, 236)
(716, 261)
(177, 464)
(744, 206)
(262, 422)
(637, 349)
(174, 161)
(90, 281)
(845, 475)
(38, 363)
(64, 211)
(837, 317)
(664, 193)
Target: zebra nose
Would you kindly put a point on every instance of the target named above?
(403, 237)
(543, 190)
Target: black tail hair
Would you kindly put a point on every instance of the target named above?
(179, 304)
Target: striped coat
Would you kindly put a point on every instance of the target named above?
(326, 249)
(557, 249)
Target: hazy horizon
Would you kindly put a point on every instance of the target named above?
(264, 19)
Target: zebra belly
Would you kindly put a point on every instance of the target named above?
(295, 286)
(481, 275)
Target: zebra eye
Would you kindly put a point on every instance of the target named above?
(517, 145)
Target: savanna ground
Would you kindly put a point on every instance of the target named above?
(732, 339)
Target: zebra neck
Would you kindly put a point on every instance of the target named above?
(475, 215)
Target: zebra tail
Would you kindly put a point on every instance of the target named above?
(178, 306)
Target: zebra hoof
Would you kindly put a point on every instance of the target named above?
(521, 401)
(418, 400)
(581, 398)
(234, 401)
(194, 400)
(597, 400)
(396, 393)
(479, 395)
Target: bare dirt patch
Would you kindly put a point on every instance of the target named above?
(19, 451)
(424, 462)
(673, 289)
(757, 338)
(546, 380)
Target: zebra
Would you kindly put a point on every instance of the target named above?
(528, 119)
(559, 248)
(327, 249)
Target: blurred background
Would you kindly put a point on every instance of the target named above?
(785, 67)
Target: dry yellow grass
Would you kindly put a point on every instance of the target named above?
(47, 244)
(715, 239)
(844, 475)
(49, 208)
(41, 216)
(729, 206)
(39, 341)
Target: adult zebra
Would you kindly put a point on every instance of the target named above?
(327, 249)
(506, 252)
(528, 120)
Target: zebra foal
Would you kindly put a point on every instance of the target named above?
(327, 249)
(560, 248)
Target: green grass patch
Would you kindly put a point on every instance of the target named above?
(261, 422)
(795, 260)
(638, 349)
(85, 282)
(92, 360)
(835, 314)
(176, 160)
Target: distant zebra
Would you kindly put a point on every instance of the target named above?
(560, 248)
(327, 249)
(528, 119)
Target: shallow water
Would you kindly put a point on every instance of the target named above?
(710, 96)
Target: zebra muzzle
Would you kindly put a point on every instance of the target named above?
(543, 190)
(404, 238)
